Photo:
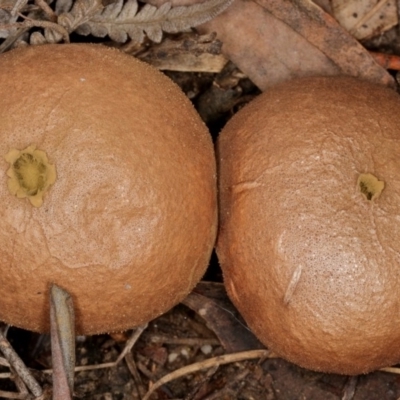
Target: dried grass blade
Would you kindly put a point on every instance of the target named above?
(62, 328)
(212, 362)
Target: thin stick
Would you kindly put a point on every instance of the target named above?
(19, 367)
(130, 362)
(211, 362)
(19, 383)
(128, 346)
(183, 341)
(12, 395)
(30, 23)
(4, 362)
(392, 370)
(19, 4)
(350, 388)
(131, 342)
(10, 40)
(51, 15)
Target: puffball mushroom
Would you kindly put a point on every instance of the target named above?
(309, 238)
(108, 188)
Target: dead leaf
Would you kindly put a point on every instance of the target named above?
(190, 53)
(121, 19)
(275, 40)
(210, 301)
(366, 18)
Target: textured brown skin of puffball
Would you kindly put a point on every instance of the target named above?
(312, 265)
(130, 222)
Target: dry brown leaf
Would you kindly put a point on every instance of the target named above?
(324, 32)
(63, 6)
(210, 301)
(276, 40)
(190, 53)
(81, 12)
(123, 19)
(366, 18)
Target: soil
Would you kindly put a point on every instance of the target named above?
(167, 344)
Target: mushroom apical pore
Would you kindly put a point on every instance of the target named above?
(309, 237)
(107, 188)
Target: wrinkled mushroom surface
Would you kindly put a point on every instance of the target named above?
(309, 237)
(128, 224)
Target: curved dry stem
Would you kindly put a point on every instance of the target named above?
(30, 23)
(392, 370)
(211, 362)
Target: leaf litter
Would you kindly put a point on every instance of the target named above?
(182, 354)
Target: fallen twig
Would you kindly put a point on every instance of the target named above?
(211, 362)
(19, 367)
(128, 346)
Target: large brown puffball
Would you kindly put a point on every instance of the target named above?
(309, 238)
(107, 188)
